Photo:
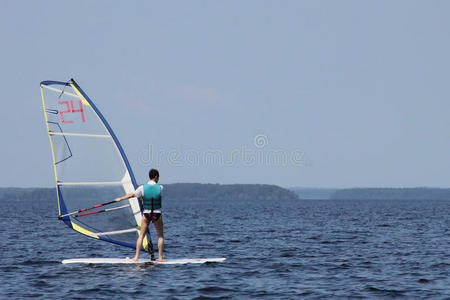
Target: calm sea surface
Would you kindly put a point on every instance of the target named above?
(291, 249)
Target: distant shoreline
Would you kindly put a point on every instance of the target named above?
(182, 191)
(416, 193)
(204, 191)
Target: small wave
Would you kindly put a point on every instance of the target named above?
(39, 262)
(214, 289)
(7, 269)
(385, 291)
(332, 242)
(211, 297)
(32, 295)
(40, 283)
(441, 264)
(287, 254)
(211, 234)
(250, 273)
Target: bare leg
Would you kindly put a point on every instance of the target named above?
(159, 226)
(144, 226)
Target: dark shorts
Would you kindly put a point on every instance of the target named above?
(153, 217)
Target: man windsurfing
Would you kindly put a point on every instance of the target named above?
(152, 200)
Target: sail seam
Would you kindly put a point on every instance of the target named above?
(90, 183)
(115, 232)
(80, 134)
(60, 91)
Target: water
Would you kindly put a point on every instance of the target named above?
(289, 249)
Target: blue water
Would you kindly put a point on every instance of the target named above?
(290, 249)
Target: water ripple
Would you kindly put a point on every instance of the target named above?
(311, 249)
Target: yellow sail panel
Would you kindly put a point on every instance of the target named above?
(84, 231)
(85, 102)
(51, 148)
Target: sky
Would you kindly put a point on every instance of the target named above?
(294, 93)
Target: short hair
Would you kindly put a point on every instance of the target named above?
(153, 173)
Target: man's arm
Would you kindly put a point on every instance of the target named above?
(127, 196)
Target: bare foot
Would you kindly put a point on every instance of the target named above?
(162, 259)
(135, 259)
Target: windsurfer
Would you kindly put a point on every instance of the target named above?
(151, 195)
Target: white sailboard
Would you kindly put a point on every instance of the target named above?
(179, 261)
(91, 169)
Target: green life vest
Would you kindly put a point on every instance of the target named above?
(152, 196)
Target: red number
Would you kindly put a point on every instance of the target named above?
(65, 111)
(71, 109)
(80, 110)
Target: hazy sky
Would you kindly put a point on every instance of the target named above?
(295, 93)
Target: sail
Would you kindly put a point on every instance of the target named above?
(90, 166)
